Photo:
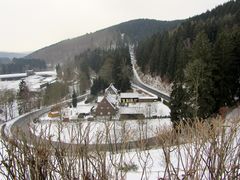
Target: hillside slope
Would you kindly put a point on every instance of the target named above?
(133, 30)
(202, 59)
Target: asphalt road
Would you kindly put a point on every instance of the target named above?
(20, 131)
(136, 80)
(20, 128)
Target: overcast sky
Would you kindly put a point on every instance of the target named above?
(27, 25)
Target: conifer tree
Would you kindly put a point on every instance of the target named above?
(74, 99)
(23, 97)
(198, 78)
(59, 71)
(179, 104)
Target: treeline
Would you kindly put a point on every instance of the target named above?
(99, 85)
(201, 57)
(110, 66)
(20, 65)
(164, 53)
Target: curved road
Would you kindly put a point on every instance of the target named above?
(137, 81)
(18, 128)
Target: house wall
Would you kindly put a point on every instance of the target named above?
(148, 100)
(129, 100)
(104, 108)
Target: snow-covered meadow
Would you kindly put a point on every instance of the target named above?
(209, 152)
(116, 130)
(33, 81)
(100, 132)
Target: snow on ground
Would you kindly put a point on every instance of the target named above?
(5, 115)
(133, 129)
(234, 114)
(147, 79)
(156, 82)
(155, 158)
(33, 81)
(181, 157)
(93, 130)
(48, 73)
(14, 85)
(71, 113)
(157, 109)
(155, 164)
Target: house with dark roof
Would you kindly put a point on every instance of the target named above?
(107, 106)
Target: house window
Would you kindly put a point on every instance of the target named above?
(107, 107)
(109, 113)
(100, 113)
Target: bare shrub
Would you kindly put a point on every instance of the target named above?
(200, 150)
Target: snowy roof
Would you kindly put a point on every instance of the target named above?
(111, 87)
(50, 73)
(132, 110)
(148, 97)
(112, 99)
(17, 75)
(34, 82)
(129, 95)
(84, 108)
(99, 99)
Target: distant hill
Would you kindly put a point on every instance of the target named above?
(11, 55)
(132, 31)
(5, 60)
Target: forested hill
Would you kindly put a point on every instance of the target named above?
(163, 52)
(201, 57)
(140, 29)
(133, 31)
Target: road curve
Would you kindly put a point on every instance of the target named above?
(137, 81)
(12, 129)
(19, 130)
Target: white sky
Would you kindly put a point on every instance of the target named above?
(27, 25)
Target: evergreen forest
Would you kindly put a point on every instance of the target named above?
(201, 57)
(109, 66)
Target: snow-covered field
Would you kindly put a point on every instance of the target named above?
(33, 81)
(117, 131)
(184, 159)
(191, 160)
(100, 131)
